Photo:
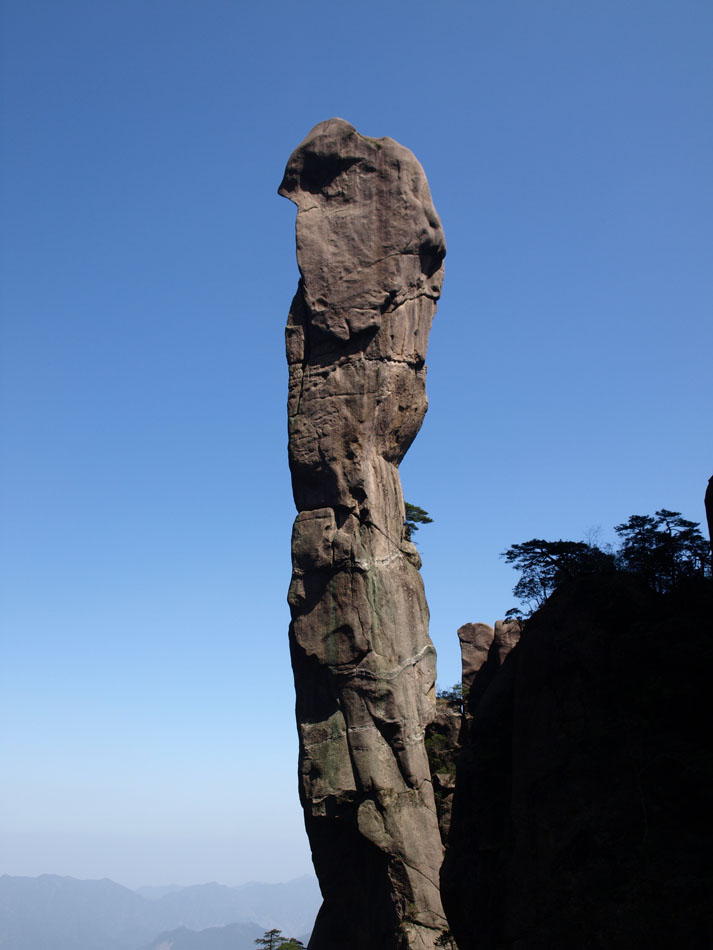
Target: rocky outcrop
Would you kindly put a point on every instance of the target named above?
(506, 636)
(581, 812)
(475, 642)
(483, 651)
(370, 250)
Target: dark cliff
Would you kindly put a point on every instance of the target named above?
(582, 805)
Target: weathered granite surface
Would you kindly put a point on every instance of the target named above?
(475, 642)
(370, 250)
(483, 650)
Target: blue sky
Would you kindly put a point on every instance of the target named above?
(147, 269)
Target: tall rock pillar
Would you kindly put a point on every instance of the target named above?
(370, 250)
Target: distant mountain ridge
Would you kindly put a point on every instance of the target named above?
(291, 907)
(154, 891)
(69, 914)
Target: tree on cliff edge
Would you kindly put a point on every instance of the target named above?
(544, 565)
(414, 517)
(664, 549)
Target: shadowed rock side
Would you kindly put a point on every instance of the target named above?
(442, 747)
(581, 815)
(370, 250)
(709, 513)
(483, 651)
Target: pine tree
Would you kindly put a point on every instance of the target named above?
(270, 940)
(414, 517)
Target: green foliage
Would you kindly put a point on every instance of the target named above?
(414, 517)
(274, 940)
(663, 549)
(544, 565)
(455, 694)
(270, 940)
(440, 754)
(446, 941)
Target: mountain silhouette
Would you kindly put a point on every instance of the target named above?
(69, 914)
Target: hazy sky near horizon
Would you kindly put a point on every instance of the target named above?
(147, 270)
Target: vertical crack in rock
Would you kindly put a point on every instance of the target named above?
(370, 250)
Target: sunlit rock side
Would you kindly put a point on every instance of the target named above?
(475, 642)
(370, 249)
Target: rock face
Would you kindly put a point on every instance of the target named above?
(370, 249)
(483, 650)
(506, 636)
(475, 642)
(581, 814)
